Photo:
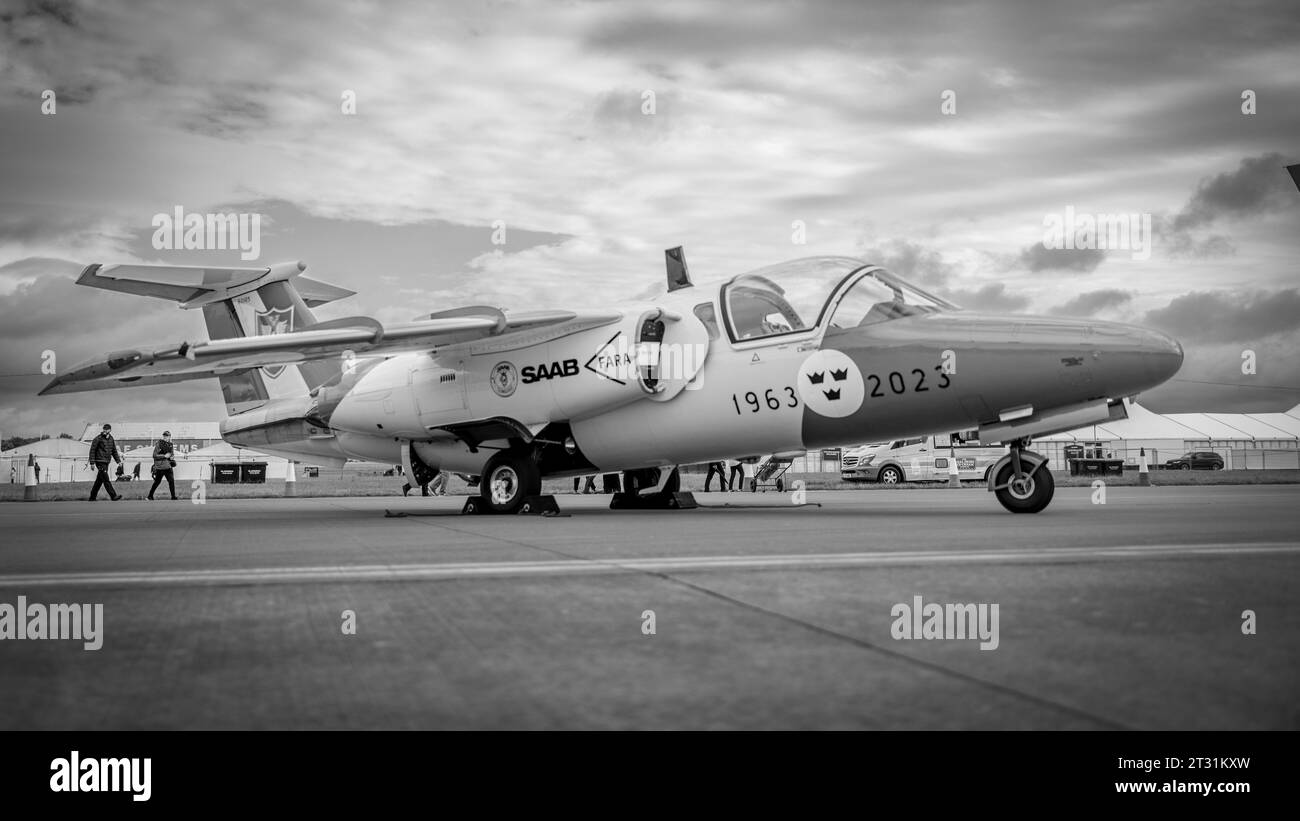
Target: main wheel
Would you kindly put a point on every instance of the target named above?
(1029, 495)
(508, 479)
(890, 475)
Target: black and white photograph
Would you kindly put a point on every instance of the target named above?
(661, 365)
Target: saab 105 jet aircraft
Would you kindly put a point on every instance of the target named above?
(814, 353)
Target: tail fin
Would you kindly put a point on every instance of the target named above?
(238, 302)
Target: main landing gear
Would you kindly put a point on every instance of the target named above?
(1021, 480)
(509, 478)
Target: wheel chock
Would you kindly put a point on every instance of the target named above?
(539, 506)
(654, 501)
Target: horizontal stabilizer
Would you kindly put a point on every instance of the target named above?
(195, 285)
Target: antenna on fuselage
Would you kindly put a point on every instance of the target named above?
(678, 274)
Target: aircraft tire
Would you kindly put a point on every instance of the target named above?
(509, 478)
(1034, 498)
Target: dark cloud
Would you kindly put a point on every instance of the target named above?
(51, 311)
(1211, 380)
(1038, 257)
(1077, 46)
(47, 304)
(1088, 304)
(347, 252)
(1258, 185)
(1225, 316)
(1185, 244)
(912, 261)
(993, 297)
(230, 112)
(54, 12)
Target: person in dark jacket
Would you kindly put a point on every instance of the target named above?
(163, 463)
(102, 451)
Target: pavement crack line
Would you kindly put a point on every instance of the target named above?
(861, 644)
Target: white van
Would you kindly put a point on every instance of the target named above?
(921, 459)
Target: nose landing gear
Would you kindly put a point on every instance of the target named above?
(1021, 480)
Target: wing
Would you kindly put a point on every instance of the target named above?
(360, 336)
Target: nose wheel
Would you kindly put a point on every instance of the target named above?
(1022, 482)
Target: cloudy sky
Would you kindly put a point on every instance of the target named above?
(935, 138)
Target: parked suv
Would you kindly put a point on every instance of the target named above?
(1196, 460)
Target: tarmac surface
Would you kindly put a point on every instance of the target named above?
(230, 614)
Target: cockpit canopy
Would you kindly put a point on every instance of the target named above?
(805, 293)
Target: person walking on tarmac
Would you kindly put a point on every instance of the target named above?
(163, 464)
(102, 451)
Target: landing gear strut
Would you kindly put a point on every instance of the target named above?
(1021, 480)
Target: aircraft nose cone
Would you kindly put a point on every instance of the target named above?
(1135, 358)
(1164, 354)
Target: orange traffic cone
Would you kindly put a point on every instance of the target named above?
(29, 491)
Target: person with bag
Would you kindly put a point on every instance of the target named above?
(163, 464)
(102, 451)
